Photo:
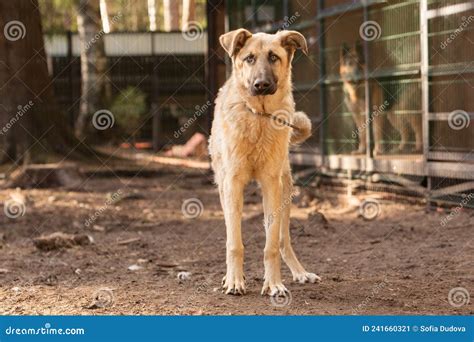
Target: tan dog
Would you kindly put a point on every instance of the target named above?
(246, 144)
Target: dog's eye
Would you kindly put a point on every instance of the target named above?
(250, 59)
(274, 58)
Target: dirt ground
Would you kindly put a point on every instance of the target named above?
(402, 262)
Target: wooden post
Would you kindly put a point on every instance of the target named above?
(215, 65)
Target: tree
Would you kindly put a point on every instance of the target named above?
(93, 62)
(189, 14)
(152, 15)
(31, 126)
(171, 15)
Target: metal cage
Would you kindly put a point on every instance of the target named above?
(414, 85)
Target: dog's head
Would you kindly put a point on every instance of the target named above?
(351, 62)
(262, 61)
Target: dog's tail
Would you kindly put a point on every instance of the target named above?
(303, 132)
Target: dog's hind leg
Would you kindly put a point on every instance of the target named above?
(232, 192)
(286, 250)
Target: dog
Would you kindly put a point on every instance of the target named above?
(351, 69)
(248, 142)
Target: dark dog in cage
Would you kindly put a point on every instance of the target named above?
(384, 100)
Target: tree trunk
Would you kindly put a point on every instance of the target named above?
(104, 15)
(31, 126)
(189, 10)
(152, 14)
(171, 15)
(93, 62)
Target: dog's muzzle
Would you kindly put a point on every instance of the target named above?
(263, 86)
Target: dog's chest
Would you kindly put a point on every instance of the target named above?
(256, 139)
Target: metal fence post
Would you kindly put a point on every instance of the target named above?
(425, 92)
(70, 77)
(369, 154)
(322, 75)
(154, 107)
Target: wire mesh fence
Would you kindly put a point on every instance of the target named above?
(168, 68)
(387, 83)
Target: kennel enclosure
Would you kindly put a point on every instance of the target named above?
(418, 54)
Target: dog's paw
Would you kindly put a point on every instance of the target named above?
(233, 285)
(306, 277)
(274, 290)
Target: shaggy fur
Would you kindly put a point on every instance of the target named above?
(246, 146)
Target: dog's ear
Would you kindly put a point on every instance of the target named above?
(293, 40)
(360, 51)
(344, 51)
(235, 40)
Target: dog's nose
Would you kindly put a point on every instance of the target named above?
(261, 85)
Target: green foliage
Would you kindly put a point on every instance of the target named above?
(129, 108)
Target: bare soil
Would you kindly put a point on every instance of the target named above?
(402, 262)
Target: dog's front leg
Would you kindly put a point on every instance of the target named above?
(272, 192)
(232, 201)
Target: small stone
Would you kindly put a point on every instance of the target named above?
(134, 268)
